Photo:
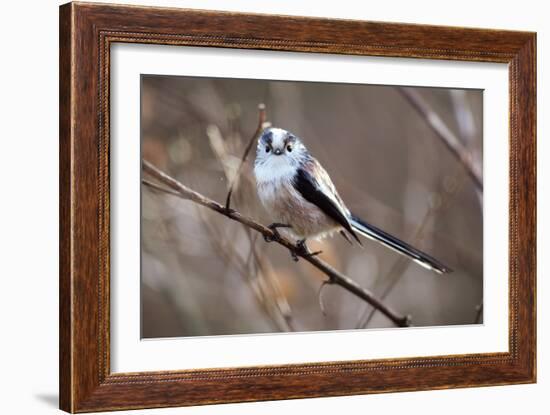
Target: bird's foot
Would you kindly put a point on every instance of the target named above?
(276, 235)
(228, 211)
(303, 251)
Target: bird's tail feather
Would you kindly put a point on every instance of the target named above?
(372, 232)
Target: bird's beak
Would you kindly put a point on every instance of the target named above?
(277, 152)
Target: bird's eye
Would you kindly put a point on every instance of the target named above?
(267, 149)
(289, 148)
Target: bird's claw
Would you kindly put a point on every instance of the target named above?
(276, 235)
(228, 211)
(303, 251)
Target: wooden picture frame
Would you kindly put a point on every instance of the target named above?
(86, 33)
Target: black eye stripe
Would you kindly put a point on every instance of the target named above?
(268, 138)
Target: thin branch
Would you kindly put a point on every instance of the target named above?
(334, 276)
(158, 188)
(259, 129)
(399, 266)
(280, 301)
(239, 263)
(265, 269)
(320, 296)
(268, 282)
(455, 146)
(458, 148)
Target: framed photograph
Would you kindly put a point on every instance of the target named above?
(260, 207)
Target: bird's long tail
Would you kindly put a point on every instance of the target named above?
(372, 232)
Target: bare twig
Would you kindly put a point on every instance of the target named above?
(158, 188)
(334, 276)
(267, 286)
(240, 264)
(399, 266)
(265, 268)
(458, 148)
(455, 146)
(230, 255)
(259, 129)
(320, 295)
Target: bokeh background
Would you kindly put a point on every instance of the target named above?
(385, 149)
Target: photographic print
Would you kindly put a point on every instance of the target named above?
(282, 206)
(234, 208)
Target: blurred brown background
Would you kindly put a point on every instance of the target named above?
(203, 274)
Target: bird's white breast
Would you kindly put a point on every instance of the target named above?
(286, 205)
(274, 169)
(271, 179)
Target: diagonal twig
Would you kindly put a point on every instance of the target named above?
(240, 264)
(267, 282)
(398, 268)
(455, 146)
(335, 276)
(259, 129)
(320, 295)
(459, 150)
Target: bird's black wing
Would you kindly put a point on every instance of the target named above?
(310, 189)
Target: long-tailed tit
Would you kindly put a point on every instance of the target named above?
(299, 195)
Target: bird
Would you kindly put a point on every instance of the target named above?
(300, 197)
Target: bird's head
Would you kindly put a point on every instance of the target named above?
(278, 148)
